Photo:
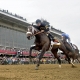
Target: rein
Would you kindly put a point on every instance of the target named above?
(36, 33)
(32, 35)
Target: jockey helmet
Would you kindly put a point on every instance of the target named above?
(65, 35)
(38, 21)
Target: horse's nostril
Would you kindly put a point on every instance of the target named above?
(28, 37)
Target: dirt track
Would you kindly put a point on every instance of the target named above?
(45, 72)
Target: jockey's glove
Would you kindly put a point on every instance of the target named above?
(42, 30)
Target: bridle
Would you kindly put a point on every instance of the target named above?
(31, 32)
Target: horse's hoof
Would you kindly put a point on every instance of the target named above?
(36, 68)
(73, 66)
(59, 66)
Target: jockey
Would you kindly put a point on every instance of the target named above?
(66, 37)
(44, 28)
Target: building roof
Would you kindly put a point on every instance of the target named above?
(9, 17)
(56, 31)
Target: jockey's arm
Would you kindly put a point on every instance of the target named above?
(69, 40)
(45, 29)
(42, 29)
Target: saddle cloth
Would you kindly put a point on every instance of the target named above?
(54, 43)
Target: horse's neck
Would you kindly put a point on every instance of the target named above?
(41, 37)
(37, 36)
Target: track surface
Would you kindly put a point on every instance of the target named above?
(45, 72)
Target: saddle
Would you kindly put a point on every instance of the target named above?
(55, 42)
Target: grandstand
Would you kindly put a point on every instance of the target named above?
(12, 32)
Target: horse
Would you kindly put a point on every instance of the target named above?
(42, 43)
(74, 56)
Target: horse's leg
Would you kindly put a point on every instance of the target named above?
(56, 56)
(72, 62)
(78, 60)
(67, 55)
(69, 60)
(31, 48)
(73, 59)
(41, 55)
(77, 57)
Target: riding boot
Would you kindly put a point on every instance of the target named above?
(52, 40)
(51, 37)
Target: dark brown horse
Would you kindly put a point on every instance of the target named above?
(73, 51)
(42, 42)
(74, 55)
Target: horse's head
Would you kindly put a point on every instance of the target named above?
(30, 32)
